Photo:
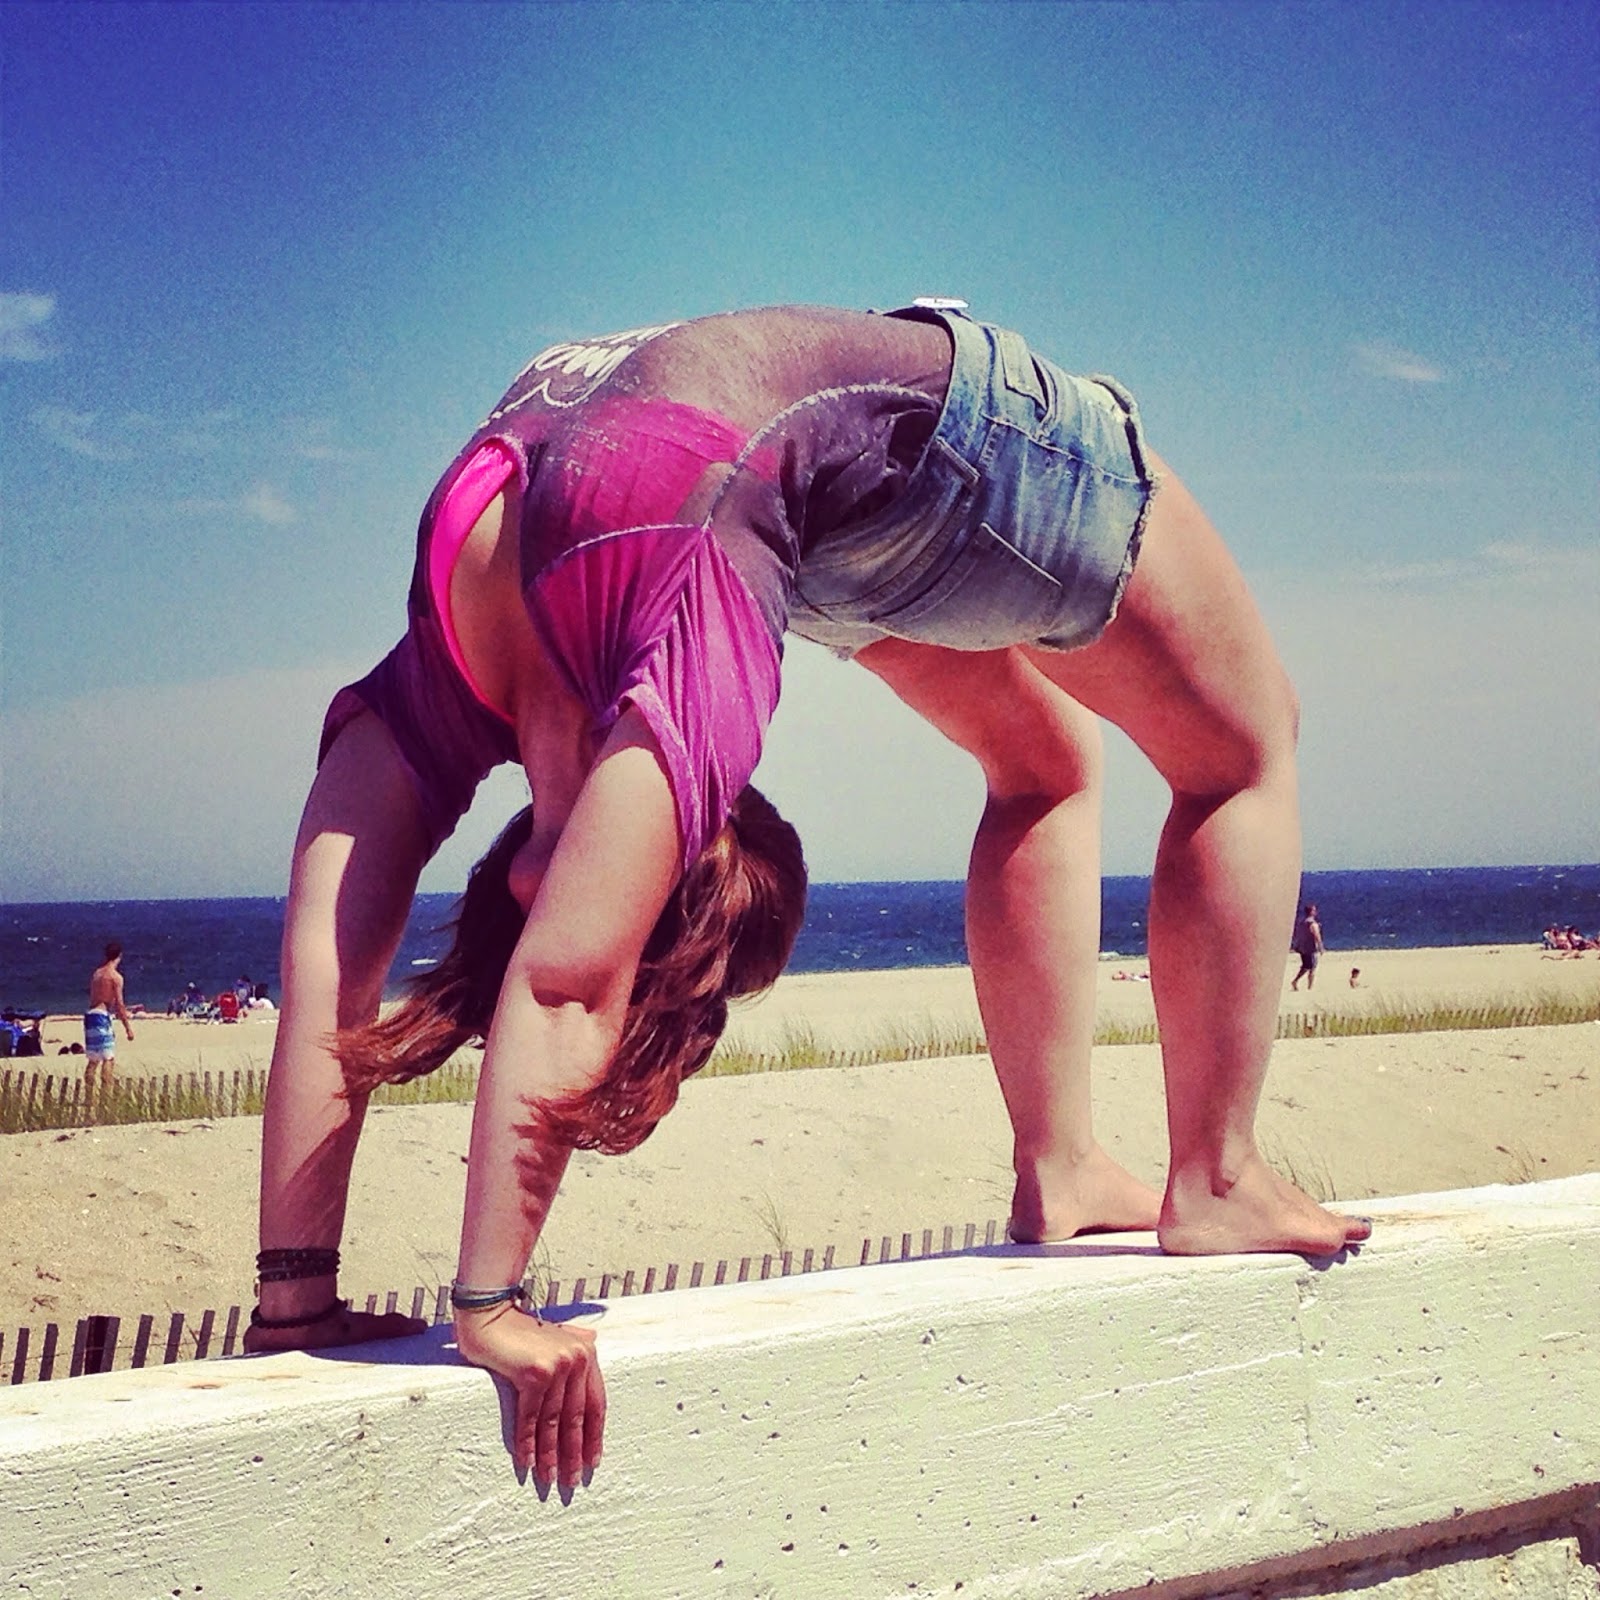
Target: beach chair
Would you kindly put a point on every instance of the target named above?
(227, 1006)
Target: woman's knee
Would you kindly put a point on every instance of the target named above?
(1060, 757)
(1269, 735)
(1253, 749)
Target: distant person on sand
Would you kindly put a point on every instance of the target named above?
(1355, 977)
(105, 1004)
(603, 580)
(1307, 944)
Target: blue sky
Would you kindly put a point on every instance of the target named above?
(262, 267)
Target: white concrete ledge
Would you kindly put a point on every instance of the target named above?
(1067, 1421)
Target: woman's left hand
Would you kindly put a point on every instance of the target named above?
(561, 1397)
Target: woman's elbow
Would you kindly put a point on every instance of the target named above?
(569, 984)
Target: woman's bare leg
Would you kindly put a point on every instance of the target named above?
(1033, 920)
(1188, 671)
(357, 858)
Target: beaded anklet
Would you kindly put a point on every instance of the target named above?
(271, 1324)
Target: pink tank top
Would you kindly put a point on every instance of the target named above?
(655, 615)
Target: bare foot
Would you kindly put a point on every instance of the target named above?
(1094, 1195)
(1258, 1211)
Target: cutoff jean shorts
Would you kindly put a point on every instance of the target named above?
(1019, 525)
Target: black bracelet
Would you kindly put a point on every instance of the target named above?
(466, 1299)
(272, 1323)
(290, 1265)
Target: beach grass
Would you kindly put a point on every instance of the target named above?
(1307, 1171)
(799, 1045)
(928, 1038)
(770, 1215)
(1403, 1014)
(35, 1101)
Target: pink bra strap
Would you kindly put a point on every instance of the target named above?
(487, 471)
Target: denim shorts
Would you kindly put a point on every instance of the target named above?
(1020, 524)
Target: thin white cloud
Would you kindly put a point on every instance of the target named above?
(22, 321)
(1518, 555)
(315, 439)
(265, 504)
(144, 435)
(260, 503)
(127, 435)
(1575, 567)
(199, 436)
(82, 433)
(1503, 566)
(1399, 366)
(1403, 574)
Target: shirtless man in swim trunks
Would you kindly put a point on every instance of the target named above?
(105, 1004)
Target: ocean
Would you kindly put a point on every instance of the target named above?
(48, 950)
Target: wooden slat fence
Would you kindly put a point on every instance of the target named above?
(32, 1101)
(97, 1344)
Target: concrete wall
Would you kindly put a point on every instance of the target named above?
(1420, 1420)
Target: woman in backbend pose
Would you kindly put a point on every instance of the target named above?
(603, 579)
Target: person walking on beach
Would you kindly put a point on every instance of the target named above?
(603, 580)
(106, 1004)
(1307, 944)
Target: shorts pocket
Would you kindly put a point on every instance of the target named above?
(856, 569)
(987, 596)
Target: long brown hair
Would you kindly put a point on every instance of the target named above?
(726, 930)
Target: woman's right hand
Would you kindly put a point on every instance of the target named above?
(561, 1397)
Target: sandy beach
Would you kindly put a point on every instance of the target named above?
(161, 1217)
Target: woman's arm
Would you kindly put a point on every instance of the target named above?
(356, 861)
(559, 1018)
